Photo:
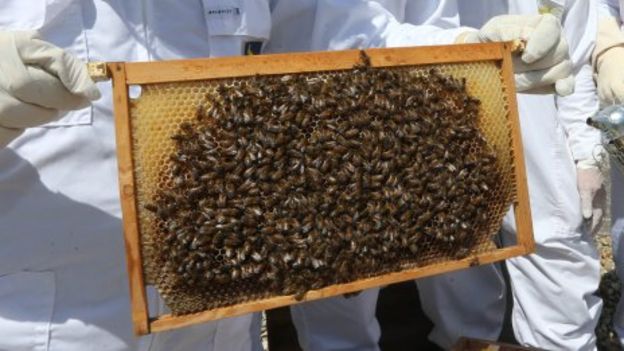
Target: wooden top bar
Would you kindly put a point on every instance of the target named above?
(243, 66)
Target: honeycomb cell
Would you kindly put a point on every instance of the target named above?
(160, 110)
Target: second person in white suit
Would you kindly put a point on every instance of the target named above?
(554, 306)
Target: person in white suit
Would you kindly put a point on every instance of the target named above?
(562, 157)
(63, 284)
(559, 150)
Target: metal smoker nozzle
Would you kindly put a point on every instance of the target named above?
(610, 121)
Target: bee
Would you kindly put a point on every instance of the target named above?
(232, 241)
(300, 295)
(151, 207)
(222, 279)
(256, 256)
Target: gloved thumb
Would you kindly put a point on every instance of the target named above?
(70, 71)
(543, 38)
(565, 86)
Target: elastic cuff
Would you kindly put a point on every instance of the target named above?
(469, 35)
(609, 35)
(586, 164)
(597, 57)
(594, 160)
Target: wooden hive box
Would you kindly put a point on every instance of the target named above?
(171, 92)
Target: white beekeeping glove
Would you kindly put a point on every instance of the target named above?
(545, 60)
(590, 183)
(608, 59)
(37, 81)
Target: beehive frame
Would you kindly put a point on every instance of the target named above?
(128, 74)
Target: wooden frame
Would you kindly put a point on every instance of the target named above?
(126, 74)
(467, 344)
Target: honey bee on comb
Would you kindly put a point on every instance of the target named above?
(282, 184)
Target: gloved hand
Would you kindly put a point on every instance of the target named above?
(38, 81)
(545, 60)
(590, 183)
(610, 78)
(608, 59)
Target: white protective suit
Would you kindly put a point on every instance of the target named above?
(63, 283)
(615, 9)
(62, 270)
(554, 306)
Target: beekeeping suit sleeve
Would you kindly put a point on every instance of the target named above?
(443, 14)
(573, 111)
(580, 30)
(39, 80)
(608, 55)
(584, 144)
(348, 24)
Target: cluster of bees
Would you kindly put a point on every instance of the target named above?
(289, 183)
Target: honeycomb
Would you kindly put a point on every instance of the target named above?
(162, 108)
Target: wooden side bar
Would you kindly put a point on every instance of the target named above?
(522, 210)
(243, 66)
(138, 298)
